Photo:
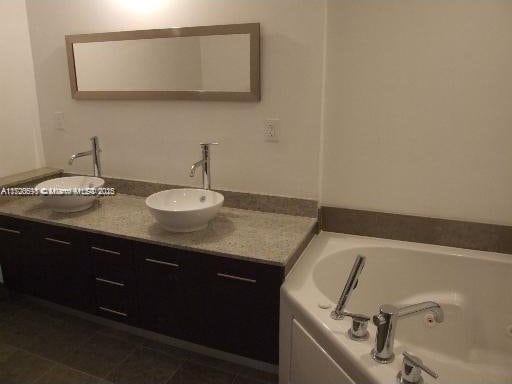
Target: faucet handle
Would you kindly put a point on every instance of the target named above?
(359, 329)
(208, 144)
(411, 370)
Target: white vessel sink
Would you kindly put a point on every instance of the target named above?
(184, 210)
(58, 194)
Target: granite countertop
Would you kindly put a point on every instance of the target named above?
(262, 237)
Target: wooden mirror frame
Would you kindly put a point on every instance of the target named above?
(253, 29)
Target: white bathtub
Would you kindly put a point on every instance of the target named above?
(473, 344)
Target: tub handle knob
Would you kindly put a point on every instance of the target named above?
(359, 329)
(411, 370)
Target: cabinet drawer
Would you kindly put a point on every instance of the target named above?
(247, 274)
(114, 302)
(58, 236)
(10, 227)
(112, 259)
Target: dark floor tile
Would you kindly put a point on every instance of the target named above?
(22, 368)
(177, 353)
(191, 373)
(145, 366)
(61, 374)
(260, 376)
(99, 355)
(222, 365)
(19, 332)
(122, 335)
(246, 380)
(6, 351)
(59, 342)
(9, 307)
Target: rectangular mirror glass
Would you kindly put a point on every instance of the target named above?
(203, 63)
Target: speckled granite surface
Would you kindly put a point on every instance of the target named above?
(268, 238)
(232, 199)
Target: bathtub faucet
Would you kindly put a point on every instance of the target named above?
(350, 285)
(386, 322)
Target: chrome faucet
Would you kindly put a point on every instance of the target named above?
(386, 322)
(204, 163)
(350, 285)
(94, 152)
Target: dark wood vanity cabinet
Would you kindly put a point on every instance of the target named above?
(171, 292)
(45, 261)
(57, 269)
(242, 307)
(223, 303)
(15, 248)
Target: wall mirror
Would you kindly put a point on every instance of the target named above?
(219, 62)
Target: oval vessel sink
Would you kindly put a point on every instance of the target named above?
(184, 210)
(59, 194)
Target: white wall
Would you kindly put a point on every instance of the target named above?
(159, 140)
(20, 140)
(418, 114)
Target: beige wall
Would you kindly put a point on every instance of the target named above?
(418, 114)
(20, 141)
(159, 140)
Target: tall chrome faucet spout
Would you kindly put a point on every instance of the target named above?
(350, 285)
(195, 166)
(77, 155)
(205, 164)
(94, 152)
(386, 321)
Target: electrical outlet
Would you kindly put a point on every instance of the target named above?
(271, 131)
(59, 121)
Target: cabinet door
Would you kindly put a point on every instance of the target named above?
(61, 268)
(169, 292)
(16, 246)
(243, 308)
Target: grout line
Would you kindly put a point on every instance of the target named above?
(180, 365)
(55, 364)
(165, 353)
(122, 361)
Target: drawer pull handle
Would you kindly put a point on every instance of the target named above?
(52, 240)
(2, 229)
(163, 263)
(104, 309)
(109, 282)
(105, 251)
(233, 277)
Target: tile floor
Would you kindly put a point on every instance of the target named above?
(43, 346)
